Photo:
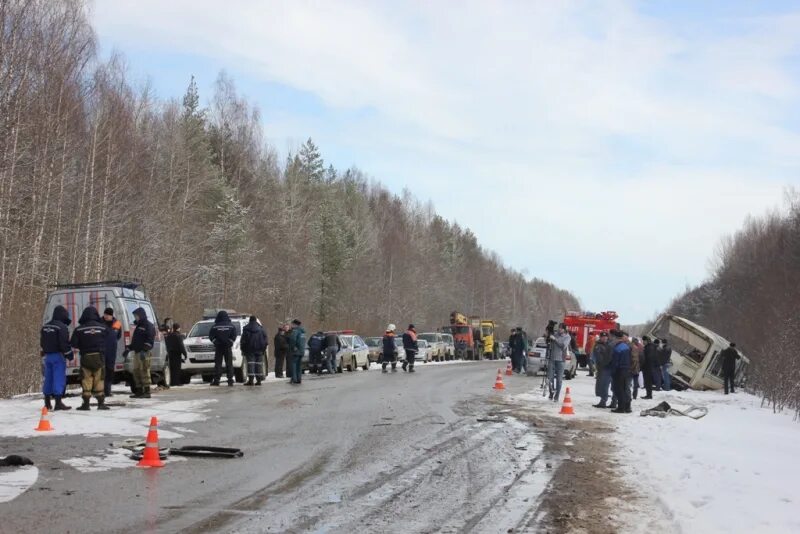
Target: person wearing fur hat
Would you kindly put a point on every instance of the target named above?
(389, 354)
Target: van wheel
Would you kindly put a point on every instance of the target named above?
(351, 365)
(166, 372)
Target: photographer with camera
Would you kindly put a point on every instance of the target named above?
(558, 344)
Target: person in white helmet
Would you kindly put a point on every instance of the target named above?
(389, 349)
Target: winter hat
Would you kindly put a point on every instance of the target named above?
(411, 327)
(390, 327)
(733, 345)
(176, 327)
(296, 322)
(253, 318)
(108, 311)
(645, 338)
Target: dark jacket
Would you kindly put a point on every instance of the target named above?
(650, 353)
(281, 345)
(54, 336)
(223, 333)
(664, 355)
(90, 335)
(112, 336)
(410, 341)
(316, 343)
(620, 358)
(729, 357)
(389, 347)
(332, 340)
(144, 335)
(517, 344)
(602, 355)
(297, 341)
(174, 342)
(254, 338)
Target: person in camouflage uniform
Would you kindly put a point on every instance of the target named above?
(90, 338)
(141, 344)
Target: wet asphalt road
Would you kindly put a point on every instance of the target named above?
(362, 451)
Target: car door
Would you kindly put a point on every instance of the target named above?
(361, 351)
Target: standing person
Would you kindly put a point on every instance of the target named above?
(176, 354)
(658, 376)
(297, 347)
(666, 365)
(332, 347)
(113, 335)
(222, 335)
(512, 344)
(729, 357)
(590, 351)
(559, 345)
(621, 372)
(281, 343)
(601, 354)
(54, 342)
(410, 347)
(648, 361)
(90, 339)
(389, 354)
(316, 344)
(636, 365)
(523, 360)
(254, 344)
(144, 336)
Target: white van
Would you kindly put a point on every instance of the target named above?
(200, 350)
(123, 296)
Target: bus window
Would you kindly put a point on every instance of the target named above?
(682, 340)
(715, 367)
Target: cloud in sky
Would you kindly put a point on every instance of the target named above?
(605, 146)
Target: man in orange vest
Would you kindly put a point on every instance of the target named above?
(112, 341)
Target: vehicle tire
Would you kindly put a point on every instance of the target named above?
(350, 366)
(366, 365)
(166, 373)
(238, 372)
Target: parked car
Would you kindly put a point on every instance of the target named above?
(570, 365)
(354, 353)
(537, 357)
(123, 296)
(200, 351)
(449, 347)
(375, 345)
(424, 353)
(436, 345)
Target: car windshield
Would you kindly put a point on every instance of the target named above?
(202, 328)
(487, 331)
(347, 341)
(447, 338)
(430, 338)
(422, 343)
(462, 330)
(373, 341)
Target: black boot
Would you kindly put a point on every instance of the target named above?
(405, 366)
(85, 406)
(49, 405)
(411, 369)
(61, 406)
(101, 404)
(146, 393)
(137, 394)
(383, 368)
(249, 382)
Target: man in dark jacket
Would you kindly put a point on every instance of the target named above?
(658, 377)
(112, 342)
(729, 357)
(142, 341)
(389, 352)
(54, 342)
(332, 347)
(90, 339)
(281, 343)
(223, 335)
(316, 344)
(254, 344)
(601, 354)
(649, 356)
(176, 354)
(410, 347)
(517, 348)
(297, 347)
(665, 359)
(620, 368)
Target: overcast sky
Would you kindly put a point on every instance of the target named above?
(604, 146)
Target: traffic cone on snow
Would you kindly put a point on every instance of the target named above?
(44, 421)
(566, 408)
(150, 458)
(498, 383)
(509, 369)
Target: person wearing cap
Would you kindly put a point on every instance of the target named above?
(176, 354)
(281, 343)
(555, 364)
(55, 349)
(620, 368)
(113, 336)
(223, 335)
(636, 362)
(648, 361)
(316, 344)
(602, 358)
(410, 347)
(389, 353)
(517, 347)
(141, 345)
(90, 339)
(297, 347)
(332, 347)
(254, 345)
(665, 359)
(729, 357)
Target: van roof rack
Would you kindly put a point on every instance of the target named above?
(130, 283)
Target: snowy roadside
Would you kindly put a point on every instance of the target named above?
(734, 470)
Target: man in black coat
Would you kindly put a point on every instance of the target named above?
(222, 335)
(142, 342)
(332, 347)
(113, 336)
(90, 339)
(411, 347)
(254, 344)
(176, 354)
(54, 342)
(389, 352)
(729, 357)
(281, 343)
(649, 357)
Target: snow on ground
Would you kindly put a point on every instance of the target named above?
(734, 470)
(132, 420)
(14, 481)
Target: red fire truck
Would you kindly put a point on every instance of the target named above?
(585, 325)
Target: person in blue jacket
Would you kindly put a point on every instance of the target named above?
(54, 342)
(620, 369)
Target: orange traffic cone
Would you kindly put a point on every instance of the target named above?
(566, 408)
(509, 370)
(150, 458)
(498, 383)
(44, 421)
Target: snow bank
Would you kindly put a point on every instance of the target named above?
(14, 481)
(734, 470)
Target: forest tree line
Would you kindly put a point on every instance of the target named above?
(752, 298)
(101, 179)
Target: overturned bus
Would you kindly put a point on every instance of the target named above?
(696, 360)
